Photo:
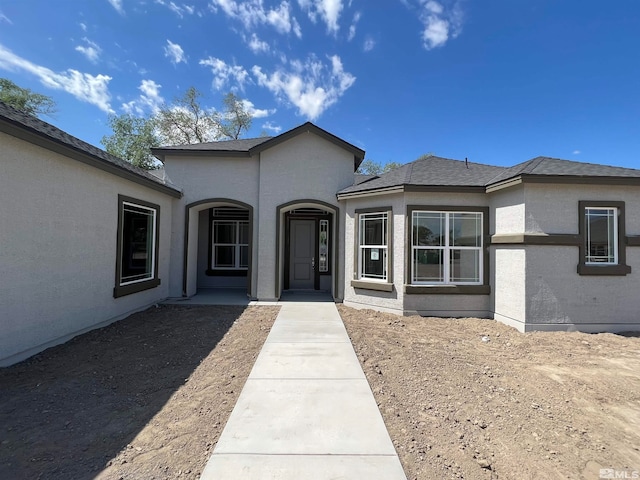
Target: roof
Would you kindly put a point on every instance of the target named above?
(29, 128)
(252, 146)
(436, 173)
(556, 167)
(430, 172)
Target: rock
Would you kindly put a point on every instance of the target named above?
(484, 463)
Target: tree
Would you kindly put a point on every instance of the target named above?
(370, 167)
(26, 100)
(235, 117)
(184, 122)
(132, 140)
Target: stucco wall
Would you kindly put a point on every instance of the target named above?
(203, 178)
(557, 297)
(58, 232)
(304, 167)
(507, 211)
(397, 301)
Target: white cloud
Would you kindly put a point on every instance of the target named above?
(272, 127)
(311, 86)
(83, 26)
(328, 10)
(91, 50)
(253, 12)
(174, 52)
(117, 4)
(369, 44)
(352, 28)
(85, 87)
(148, 102)
(179, 10)
(4, 18)
(223, 73)
(439, 23)
(256, 112)
(577, 152)
(256, 45)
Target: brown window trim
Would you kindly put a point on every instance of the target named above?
(378, 286)
(123, 290)
(438, 289)
(356, 253)
(621, 268)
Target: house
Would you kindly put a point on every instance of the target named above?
(87, 239)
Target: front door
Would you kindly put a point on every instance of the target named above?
(302, 254)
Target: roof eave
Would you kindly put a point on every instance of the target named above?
(30, 135)
(563, 179)
(412, 188)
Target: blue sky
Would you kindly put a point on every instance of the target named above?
(497, 81)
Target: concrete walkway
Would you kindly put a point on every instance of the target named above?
(306, 410)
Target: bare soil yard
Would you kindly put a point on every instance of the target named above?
(518, 406)
(147, 397)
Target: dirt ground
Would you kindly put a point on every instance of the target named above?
(147, 397)
(514, 406)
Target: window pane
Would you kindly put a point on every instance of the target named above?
(374, 263)
(428, 229)
(465, 266)
(224, 256)
(428, 265)
(466, 230)
(244, 232)
(224, 232)
(137, 244)
(600, 240)
(244, 257)
(373, 230)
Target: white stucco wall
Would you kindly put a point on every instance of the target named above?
(58, 238)
(507, 211)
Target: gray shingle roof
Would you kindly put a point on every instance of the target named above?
(30, 128)
(431, 171)
(241, 145)
(443, 172)
(546, 166)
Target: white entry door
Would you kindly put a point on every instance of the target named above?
(301, 254)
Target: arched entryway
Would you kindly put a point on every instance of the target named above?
(307, 253)
(218, 246)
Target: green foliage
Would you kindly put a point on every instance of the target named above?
(25, 100)
(132, 140)
(370, 167)
(183, 122)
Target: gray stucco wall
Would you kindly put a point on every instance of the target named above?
(58, 232)
(397, 301)
(537, 287)
(204, 178)
(306, 167)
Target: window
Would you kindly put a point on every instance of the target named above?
(230, 245)
(601, 231)
(137, 265)
(446, 248)
(372, 246)
(602, 243)
(323, 246)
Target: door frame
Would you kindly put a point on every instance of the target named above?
(289, 216)
(335, 242)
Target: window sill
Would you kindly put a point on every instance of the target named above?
(447, 289)
(123, 290)
(235, 272)
(364, 285)
(613, 270)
